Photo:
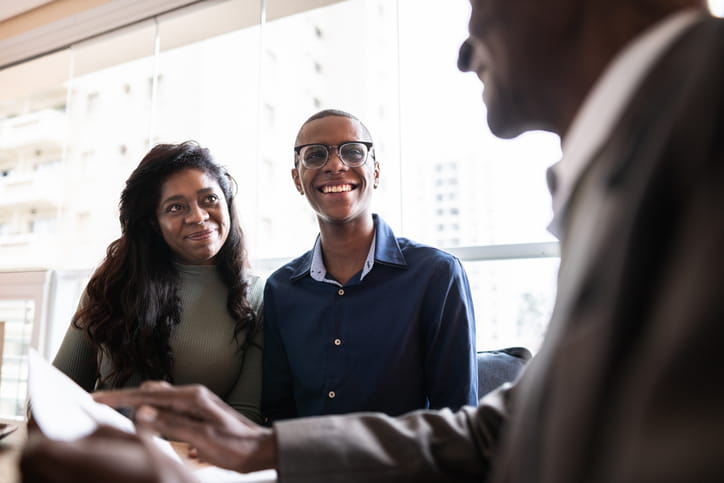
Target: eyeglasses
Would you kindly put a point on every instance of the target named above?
(353, 154)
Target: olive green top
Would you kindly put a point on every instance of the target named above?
(204, 349)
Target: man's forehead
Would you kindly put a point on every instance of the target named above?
(333, 126)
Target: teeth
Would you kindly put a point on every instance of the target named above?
(337, 188)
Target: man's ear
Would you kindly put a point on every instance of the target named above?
(377, 174)
(297, 181)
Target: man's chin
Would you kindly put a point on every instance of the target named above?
(498, 118)
(504, 128)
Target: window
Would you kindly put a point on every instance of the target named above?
(92, 103)
(243, 88)
(21, 298)
(50, 165)
(43, 226)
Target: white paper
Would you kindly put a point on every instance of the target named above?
(63, 410)
(214, 474)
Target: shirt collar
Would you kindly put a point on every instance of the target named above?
(604, 105)
(318, 271)
(388, 250)
(384, 249)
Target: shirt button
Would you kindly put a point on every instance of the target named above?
(331, 394)
(337, 342)
(340, 291)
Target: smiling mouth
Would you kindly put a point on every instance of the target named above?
(336, 188)
(200, 235)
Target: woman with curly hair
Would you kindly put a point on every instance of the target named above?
(173, 299)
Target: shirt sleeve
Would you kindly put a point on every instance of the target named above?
(431, 446)
(451, 376)
(277, 387)
(245, 396)
(77, 356)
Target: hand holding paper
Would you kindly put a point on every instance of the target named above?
(62, 409)
(107, 454)
(196, 415)
(99, 440)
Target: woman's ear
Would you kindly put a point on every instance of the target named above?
(297, 181)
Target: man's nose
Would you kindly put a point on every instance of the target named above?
(334, 161)
(465, 55)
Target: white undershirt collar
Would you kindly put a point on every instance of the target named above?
(318, 271)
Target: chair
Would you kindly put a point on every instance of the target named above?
(498, 366)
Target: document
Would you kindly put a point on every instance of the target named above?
(64, 411)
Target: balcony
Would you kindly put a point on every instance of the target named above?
(41, 128)
(31, 190)
(27, 250)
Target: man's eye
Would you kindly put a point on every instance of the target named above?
(315, 152)
(355, 153)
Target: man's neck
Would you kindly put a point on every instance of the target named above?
(345, 246)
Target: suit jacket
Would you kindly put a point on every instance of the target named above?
(629, 383)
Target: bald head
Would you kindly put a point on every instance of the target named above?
(327, 113)
(537, 73)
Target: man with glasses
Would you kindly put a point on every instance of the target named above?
(364, 321)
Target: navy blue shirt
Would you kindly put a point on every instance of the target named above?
(397, 337)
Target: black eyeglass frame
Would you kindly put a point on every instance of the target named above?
(369, 145)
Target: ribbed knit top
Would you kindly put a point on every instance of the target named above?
(204, 349)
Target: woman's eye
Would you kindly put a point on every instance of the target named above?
(212, 198)
(174, 208)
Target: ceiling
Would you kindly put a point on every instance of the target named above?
(11, 8)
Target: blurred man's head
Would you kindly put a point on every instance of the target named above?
(539, 59)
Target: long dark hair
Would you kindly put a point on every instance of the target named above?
(132, 301)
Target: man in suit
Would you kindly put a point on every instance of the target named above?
(628, 383)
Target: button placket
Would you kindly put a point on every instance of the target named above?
(337, 342)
